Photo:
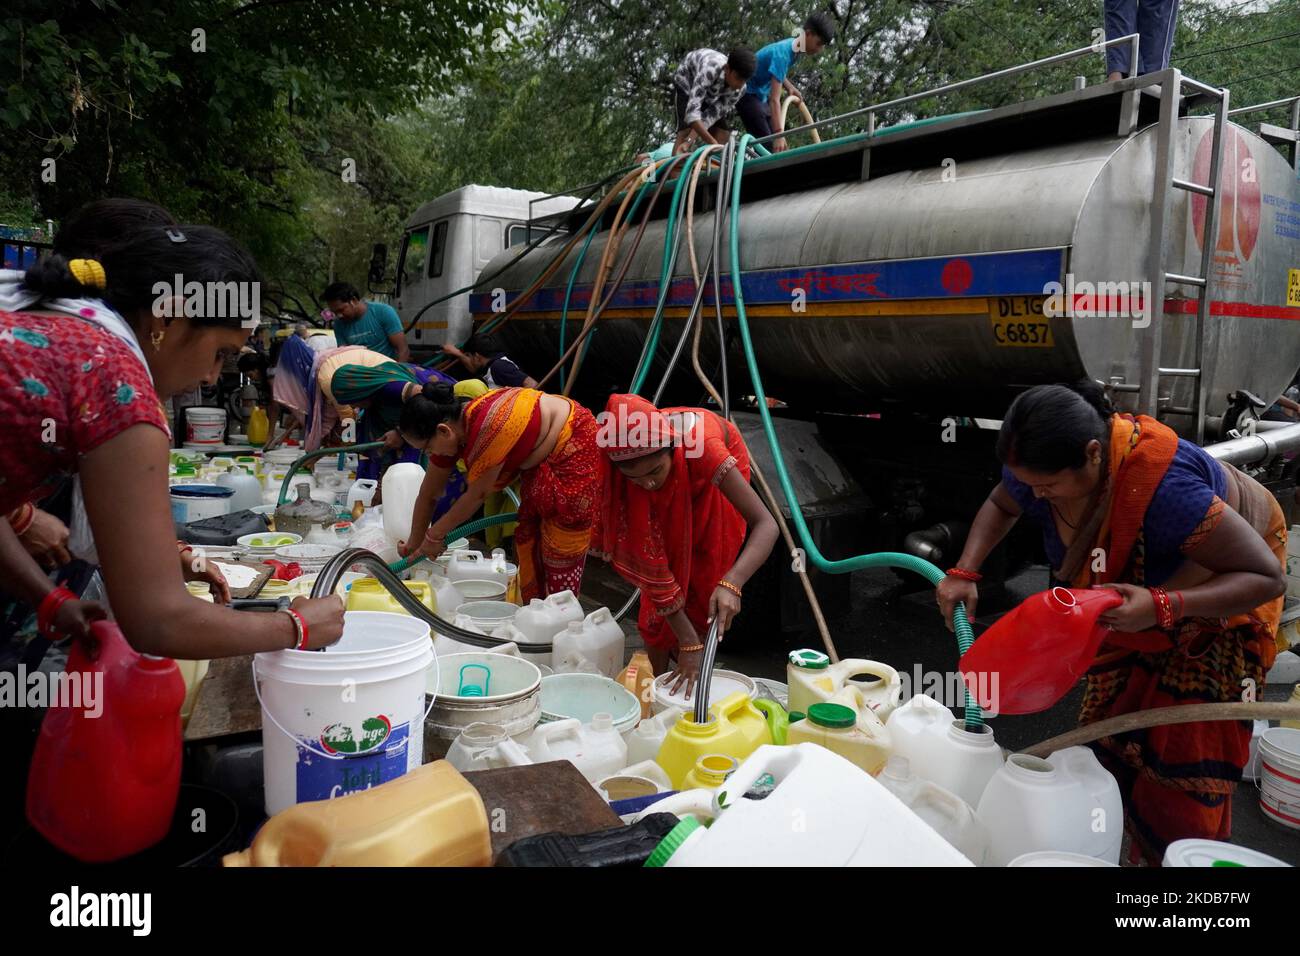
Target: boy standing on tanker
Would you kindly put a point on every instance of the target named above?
(705, 90)
(760, 107)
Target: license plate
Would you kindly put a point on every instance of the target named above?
(1018, 322)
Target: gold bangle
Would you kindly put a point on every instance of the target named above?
(690, 650)
(730, 587)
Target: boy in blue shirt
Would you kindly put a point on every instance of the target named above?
(760, 107)
(372, 325)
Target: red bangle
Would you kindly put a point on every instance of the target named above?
(301, 626)
(443, 461)
(1164, 608)
(964, 574)
(49, 607)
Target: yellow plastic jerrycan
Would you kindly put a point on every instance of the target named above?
(367, 594)
(737, 729)
(857, 736)
(258, 426)
(431, 816)
(710, 772)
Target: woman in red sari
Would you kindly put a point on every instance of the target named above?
(1197, 550)
(677, 503)
(547, 441)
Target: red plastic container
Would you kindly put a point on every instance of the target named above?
(1031, 657)
(106, 773)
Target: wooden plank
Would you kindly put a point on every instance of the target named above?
(226, 703)
(539, 798)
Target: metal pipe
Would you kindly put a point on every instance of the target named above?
(1259, 107)
(1131, 38)
(330, 574)
(1257, 448)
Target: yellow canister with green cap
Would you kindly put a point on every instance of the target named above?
(859, 737)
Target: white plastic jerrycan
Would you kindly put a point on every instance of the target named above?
(846, 819)
(597, 751)
(950, 816)
(483, 746)
(248, 490)
(568, 606)
(940, 749)
(401, 487)
(362, 490)
(539, 622)
(1068, 802)
(812, 677)
(593, 645)
(645, 739)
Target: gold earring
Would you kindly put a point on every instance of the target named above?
(156, 339)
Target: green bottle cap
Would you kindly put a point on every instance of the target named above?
(672, 842)
(810, 659)
(797, 715)
(832, 715)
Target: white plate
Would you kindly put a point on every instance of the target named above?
(247, 540)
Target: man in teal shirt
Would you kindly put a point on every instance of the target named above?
(372, 325)
(760, 107)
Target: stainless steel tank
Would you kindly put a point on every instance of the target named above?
(926, 285)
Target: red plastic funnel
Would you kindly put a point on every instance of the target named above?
(1031, 657)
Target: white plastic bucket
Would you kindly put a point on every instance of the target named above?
(1279, 776)
(194, 502)
(585, 695)
(206, 426)
(512, 700)
(1214, 853)
(476, 589)
(488, 615)
(347, 718)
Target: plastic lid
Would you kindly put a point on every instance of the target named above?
(897, 767)
(602, 721)
(671, 843)
(810, 659)
(797, 715)
(832, 715)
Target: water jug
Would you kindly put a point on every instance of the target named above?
(503, 569)
(950, 816)
(106, 770)
(568, 606)
(430, 816)
(362, 490)
(401, 486)
(736, 729)
(468, 565)
(812, 677)
(258, 426)
(597, 751)
(647, 737)
(538, 621)
(858, 737)
(367, 594)
(710, 772)
(1067, 802)
(844, 818)
(1031, 657)
(304, 513)
(593, 645)
(248, 490)
(639, 678)
(483, 746)
(940, 748)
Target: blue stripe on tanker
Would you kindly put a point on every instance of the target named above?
(988, 274)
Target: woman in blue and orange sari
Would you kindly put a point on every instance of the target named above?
(1196, 548)
(677, 505)
(547, 441)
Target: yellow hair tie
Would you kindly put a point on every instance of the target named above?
(88, 272)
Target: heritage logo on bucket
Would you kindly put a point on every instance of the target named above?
(40, 689)
(631, 428)
(338, 739)
(320, 779)
(208, 300)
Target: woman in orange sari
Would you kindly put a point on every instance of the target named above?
(677, 503)
(547, 441)
(1197, 549)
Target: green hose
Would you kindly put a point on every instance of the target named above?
(883, 559)
(464, 531)
(321, 453)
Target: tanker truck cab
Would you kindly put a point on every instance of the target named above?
(446, 244)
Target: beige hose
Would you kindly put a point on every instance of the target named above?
(1163, 716)
(807, 117)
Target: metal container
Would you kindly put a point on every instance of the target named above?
(517, 707)
(304, 515)
(924, 280)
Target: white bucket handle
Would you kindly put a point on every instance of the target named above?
(257, 689)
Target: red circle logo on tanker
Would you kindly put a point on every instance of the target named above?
(1238, 192)
(957, 276)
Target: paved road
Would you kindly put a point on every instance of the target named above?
(905, 631)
